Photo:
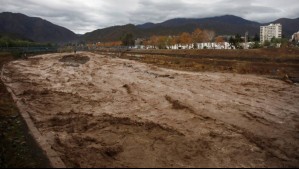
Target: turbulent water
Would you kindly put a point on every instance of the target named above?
(109, 112)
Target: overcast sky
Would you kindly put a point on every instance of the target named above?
(82, 16)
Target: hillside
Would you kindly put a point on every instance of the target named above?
(35, 29)
(222, 25)
(290, 26)
(20, 26)
(111, 34)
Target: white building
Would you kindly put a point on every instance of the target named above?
(207, 45)
(270, 31)
(295, 37)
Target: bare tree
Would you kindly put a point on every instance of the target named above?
(209, 35)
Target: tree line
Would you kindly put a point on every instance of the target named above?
(192, 39)
(6, 42)
(162, 42)
(197, 36)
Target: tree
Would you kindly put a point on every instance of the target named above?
(185, 38)
(285, 43)
(232, 42)
(154, 41)
(128, 40)
(219, 40)
(172, 41)
(178, 40)
(235, 42)
(274, 40)
(267, 43)
(162, 42)
(195, 46)
(10, 42)
(239, 38)
(146, 43)
(255, 45)
(169, 42)
(197, 36)
(256, 38)
(209, 35)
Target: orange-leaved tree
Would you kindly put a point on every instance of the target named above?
(197, 37)
(219, 40)
(154, 41)
(186, 39)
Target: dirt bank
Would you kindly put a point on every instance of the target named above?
(17, 147)
(109, 112)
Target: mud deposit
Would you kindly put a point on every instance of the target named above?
(74, 60)
(112, 112)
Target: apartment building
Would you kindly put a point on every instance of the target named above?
(270, 31)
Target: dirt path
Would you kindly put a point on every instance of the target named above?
(107, 112)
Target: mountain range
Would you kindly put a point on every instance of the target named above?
(222, 25)
(34, 29)
(39, 30)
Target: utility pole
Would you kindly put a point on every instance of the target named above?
(246, 40)
(75, 49)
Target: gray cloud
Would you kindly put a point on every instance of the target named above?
(84, 16)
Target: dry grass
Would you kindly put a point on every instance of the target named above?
(253, 53)
(275, 62)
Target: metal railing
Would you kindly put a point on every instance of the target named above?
(29, 49)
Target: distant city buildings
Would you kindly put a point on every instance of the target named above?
(267, 33)
(270, 31)
(206, 45)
